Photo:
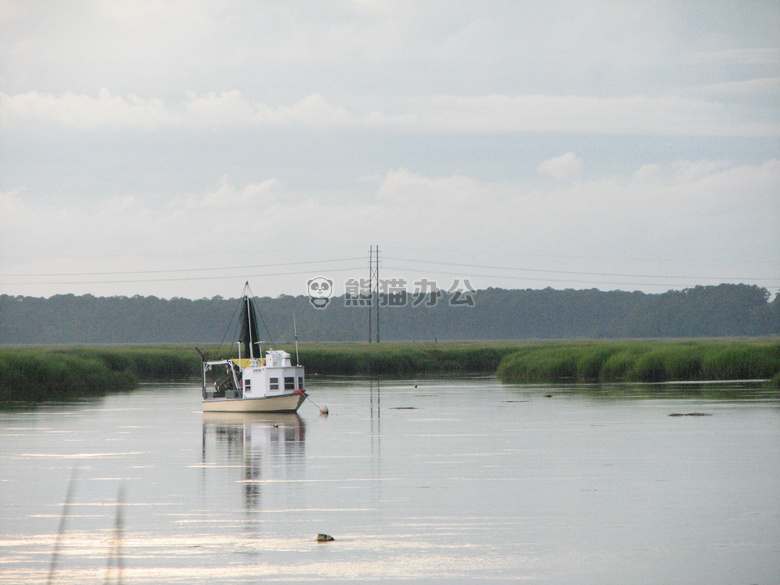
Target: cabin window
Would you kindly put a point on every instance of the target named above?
(247, 385)
(289, 383)
(274, 383)
(300, 382)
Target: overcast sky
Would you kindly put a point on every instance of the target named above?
(180, 148)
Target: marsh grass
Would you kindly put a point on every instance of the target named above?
(402, 359)
(56, 373)
(643, 361)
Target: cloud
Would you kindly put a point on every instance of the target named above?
(738, 57)
(232, 109)
(673, 115)
(253, 194)
(411, 190)
(224, 110)
(763, 87)
(82, 111)
(562, 167)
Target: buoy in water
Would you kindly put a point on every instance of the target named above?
(323, 408)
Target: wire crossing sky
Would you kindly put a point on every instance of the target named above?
(180, 149)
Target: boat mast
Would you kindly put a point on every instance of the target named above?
(249, 321)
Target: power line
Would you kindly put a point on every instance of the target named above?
(178, 279)
(173, 270)
(575, 273)
(521, 274)
(472, 251)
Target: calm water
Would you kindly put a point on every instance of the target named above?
(448, 482)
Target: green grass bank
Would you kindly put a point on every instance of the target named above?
(644, 361)
(37, 374)
(403, 359)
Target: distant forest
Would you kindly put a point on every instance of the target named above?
(726, 310)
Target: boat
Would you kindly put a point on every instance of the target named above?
(252, 382)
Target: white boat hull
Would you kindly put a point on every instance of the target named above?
(283, 403)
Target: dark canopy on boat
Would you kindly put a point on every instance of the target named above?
(248, 336)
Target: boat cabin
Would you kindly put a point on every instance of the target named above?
(273, 375)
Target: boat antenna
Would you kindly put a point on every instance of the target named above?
(295, 329)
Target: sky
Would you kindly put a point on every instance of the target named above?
(181, 148)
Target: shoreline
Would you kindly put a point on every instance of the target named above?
(40, 374)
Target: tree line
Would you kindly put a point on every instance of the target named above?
(726, 310)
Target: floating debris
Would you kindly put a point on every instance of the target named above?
(324, 538)
(690, 414)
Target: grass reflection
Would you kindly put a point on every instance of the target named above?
(717, 391)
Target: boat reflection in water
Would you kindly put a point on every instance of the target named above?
(265, 448)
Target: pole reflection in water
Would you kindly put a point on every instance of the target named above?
(375, 393)
(266, 447)
(375, 400)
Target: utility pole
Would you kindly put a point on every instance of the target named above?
(370, 288)
(376, 260)
(373, 291)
